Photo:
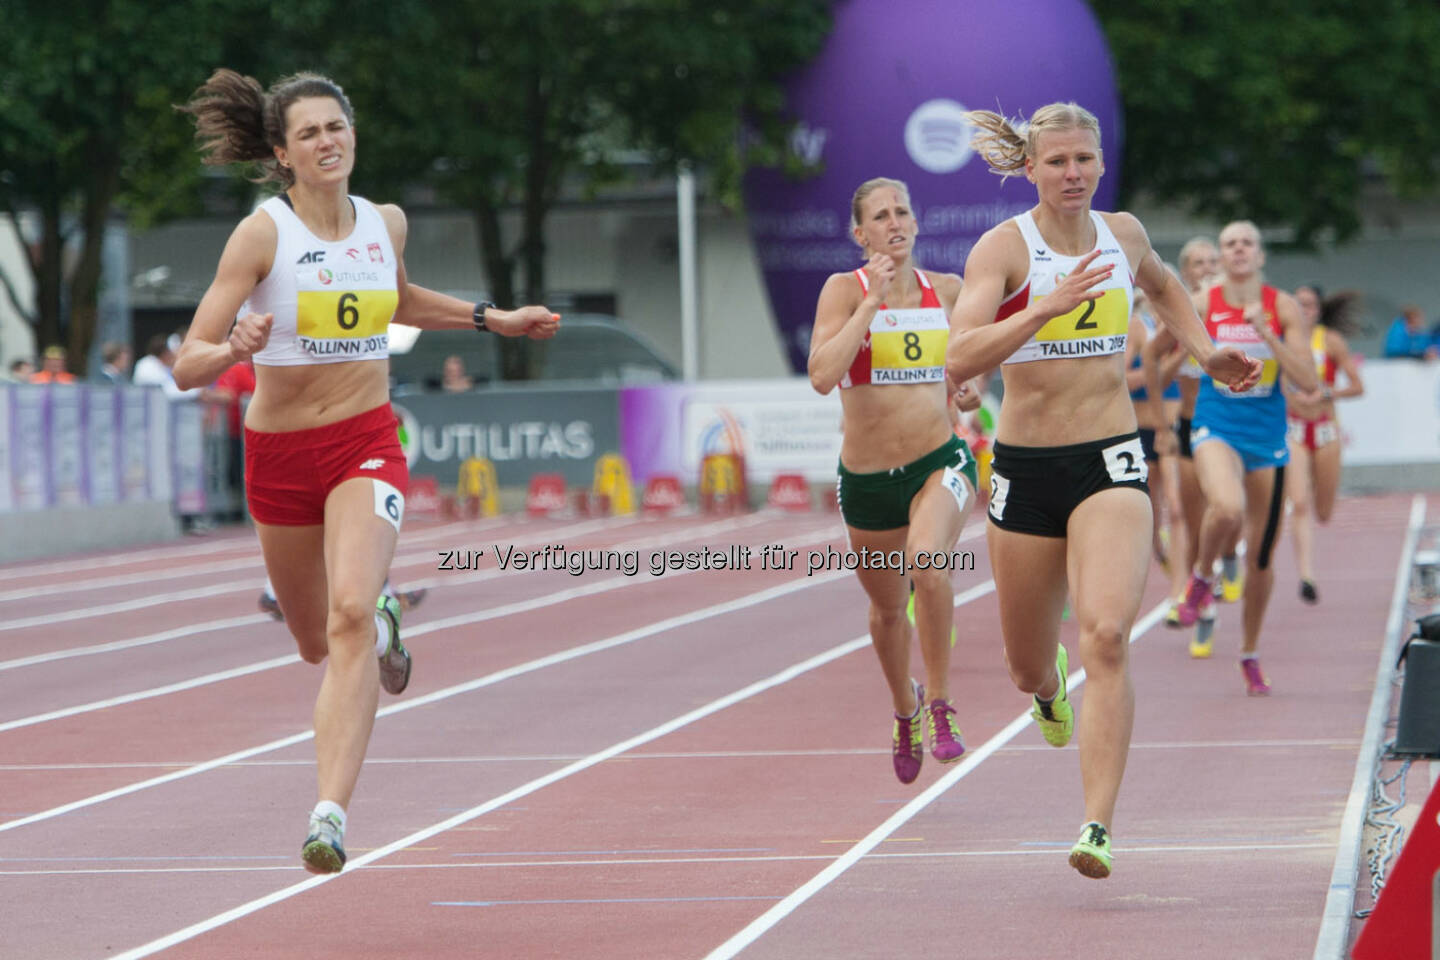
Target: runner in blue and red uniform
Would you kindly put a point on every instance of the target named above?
(1238, 438)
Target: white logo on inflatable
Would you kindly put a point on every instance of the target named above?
(937, 136)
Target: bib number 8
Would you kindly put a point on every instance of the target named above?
(912, 346)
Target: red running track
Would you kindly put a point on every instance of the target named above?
(635, 766)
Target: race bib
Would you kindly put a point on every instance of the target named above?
(908, 346)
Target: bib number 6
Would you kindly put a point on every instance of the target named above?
(345, 312)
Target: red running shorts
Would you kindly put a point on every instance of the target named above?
(288, 475)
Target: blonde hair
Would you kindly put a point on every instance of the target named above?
(1248, 225)
(869, 187)
(1188, 249)
(1005, 144)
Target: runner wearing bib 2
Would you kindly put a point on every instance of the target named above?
(1047, 298)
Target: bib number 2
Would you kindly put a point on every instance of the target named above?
(1125, 461)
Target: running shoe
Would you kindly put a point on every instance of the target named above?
(1232, 580)
(1202, 641)
(1308, 593)
(410, 599)
(1172, 616)
(1056, 719)
(906, 747)
(395, 661)
(945, 743)
(324, 849)
(1255, 684)
(268, 604)
(1197, 604)
(1091, 854)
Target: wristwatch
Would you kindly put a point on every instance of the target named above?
(479, 316)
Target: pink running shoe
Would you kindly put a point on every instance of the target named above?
(1197, 602)
(945, 743)
(1255, 684)
(906, 748)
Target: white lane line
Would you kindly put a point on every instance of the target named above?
(553, 659)
(251, 563)
(179, 633)
(761, 924)
(251, 560)
(219, 589)
(492, 613)
(289, 867)
(220, 676)
(679, 755)
(654, 733)
(1334, 934)
(242, 541)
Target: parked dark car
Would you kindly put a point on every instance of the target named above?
(591, 347)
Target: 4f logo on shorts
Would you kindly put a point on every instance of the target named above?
(375, 463)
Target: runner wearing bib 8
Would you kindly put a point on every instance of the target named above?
(905, 482)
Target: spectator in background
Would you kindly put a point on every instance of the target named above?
(116, 368)
(53, 367)
(232, 388)
(20, 370)
(1407, 336)
(153, 369)
(453, 378)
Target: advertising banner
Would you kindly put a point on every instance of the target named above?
(1397, 419)
(67, 446)
(102, 441)
(521, 431)
(887, 97)
(776, 426)
(134, 444)
(30, 446)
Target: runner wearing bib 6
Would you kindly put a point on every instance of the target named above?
(1238, 437)
(307, 287)
(906, 481)
(1047, 298)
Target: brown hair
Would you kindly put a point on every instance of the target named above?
(1005, 144)
(237, 121)
(1340, 311)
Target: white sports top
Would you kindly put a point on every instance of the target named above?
(1096, 327)
(332, 301)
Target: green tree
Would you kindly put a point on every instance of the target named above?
(1277, 111)
(87, 129)
(83, 106)
(504, 106)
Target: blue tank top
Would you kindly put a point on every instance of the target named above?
(1142, 393)
(1258, 414)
